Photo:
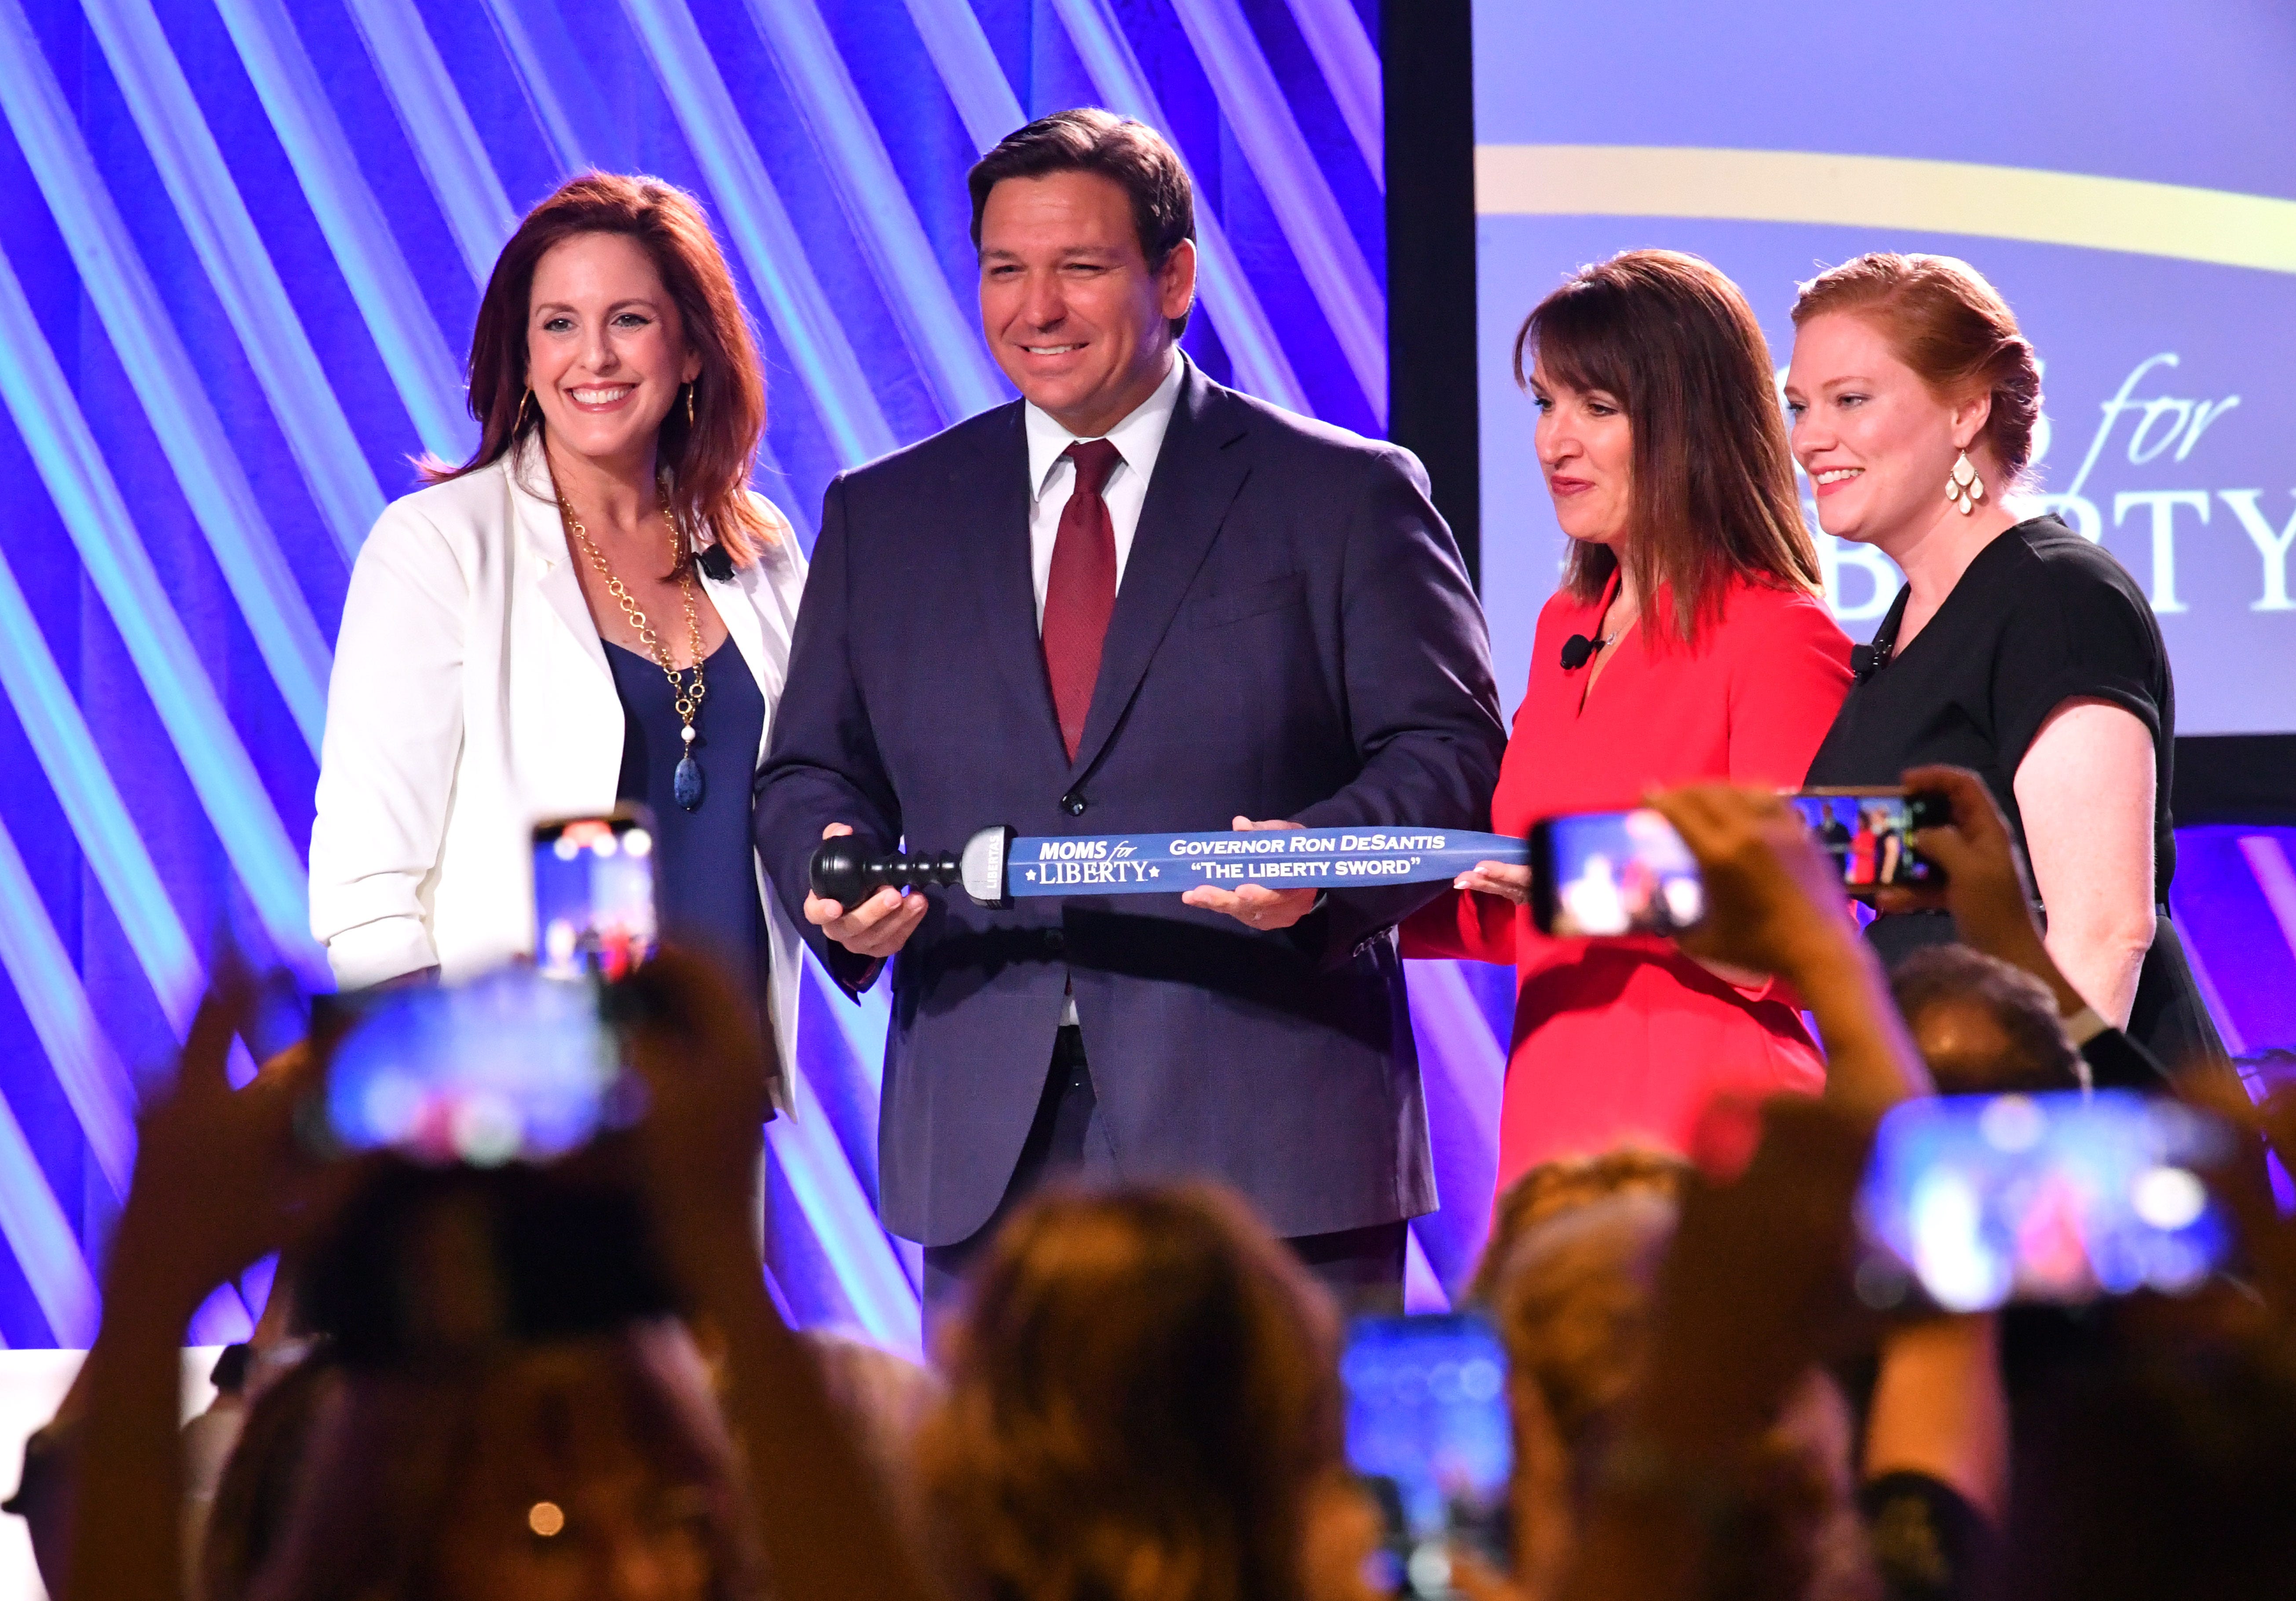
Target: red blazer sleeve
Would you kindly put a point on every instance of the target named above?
(1464, 926)
(1789, 675)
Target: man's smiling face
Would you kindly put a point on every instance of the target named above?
(1072, 310)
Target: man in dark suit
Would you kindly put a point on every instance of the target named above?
(1833, 834)
(1134, 601)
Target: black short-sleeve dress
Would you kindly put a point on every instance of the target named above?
(2040, 616)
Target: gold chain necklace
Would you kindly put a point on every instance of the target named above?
(686, 693)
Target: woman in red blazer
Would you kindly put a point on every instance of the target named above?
(1688, 642)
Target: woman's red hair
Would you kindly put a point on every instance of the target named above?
(1952, 327)
(705, 465)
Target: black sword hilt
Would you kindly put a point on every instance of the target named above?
(842, 872)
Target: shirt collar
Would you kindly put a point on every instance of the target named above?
(1137, 438)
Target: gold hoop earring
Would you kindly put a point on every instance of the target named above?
(517, 425)
(689, 401)
(1963, 486)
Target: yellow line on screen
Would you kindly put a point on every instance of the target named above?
(2216, 226)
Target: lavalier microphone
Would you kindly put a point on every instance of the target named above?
(1578, 650)
(1866, 659)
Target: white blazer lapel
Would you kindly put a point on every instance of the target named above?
(542, 536)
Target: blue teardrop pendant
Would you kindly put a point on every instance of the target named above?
(686, 783)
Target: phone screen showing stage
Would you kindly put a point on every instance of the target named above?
(512, 1067)
(595, 912)
(1870, 835)
(1979, 1200)
(1600, 874)
(1430, 1437)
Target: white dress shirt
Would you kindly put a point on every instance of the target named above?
(1052, 476)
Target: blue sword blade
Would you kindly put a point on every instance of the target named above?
(1321, 858)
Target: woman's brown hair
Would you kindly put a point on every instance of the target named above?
(1143, 1395)
(704, 464)
(1953, 328)
(1713, 496)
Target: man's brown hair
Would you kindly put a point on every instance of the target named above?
(1133, 156)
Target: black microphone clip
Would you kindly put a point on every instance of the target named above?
(1866, 659)
(717, 563)
(1576, 649)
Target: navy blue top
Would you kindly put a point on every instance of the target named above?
(704, 867)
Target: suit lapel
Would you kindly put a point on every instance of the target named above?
(1205, 458)
(999, 532)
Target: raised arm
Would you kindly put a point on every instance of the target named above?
(217, 1183)
(386, 767)
(826, 1523)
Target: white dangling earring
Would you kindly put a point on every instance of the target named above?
(1963, 486)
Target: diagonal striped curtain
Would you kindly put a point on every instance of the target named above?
(242, 245)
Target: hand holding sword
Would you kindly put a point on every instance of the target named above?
(1266, 883)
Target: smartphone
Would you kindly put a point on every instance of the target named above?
(512, 1067)
(1970, 1202)
(595, 915)
(1869, 833)
(1430, 1437)
(1602, 874)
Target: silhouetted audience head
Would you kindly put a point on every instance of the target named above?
(539, 1470)
(1984, 1027)
(1144, 1404)
(888, 1398)
(1576, 1307)
(1566, 1183)
(252, 1501)
(514, 1412)
(229, 1374)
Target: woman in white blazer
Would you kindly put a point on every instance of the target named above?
(594, 607)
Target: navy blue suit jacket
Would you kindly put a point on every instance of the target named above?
(1294, 637)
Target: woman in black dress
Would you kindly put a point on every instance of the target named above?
(2017, 648)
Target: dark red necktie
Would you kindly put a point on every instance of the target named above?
(1080, 591)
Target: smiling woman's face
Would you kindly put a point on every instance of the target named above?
(606, 352)
(1876, 443)
(1587, 451)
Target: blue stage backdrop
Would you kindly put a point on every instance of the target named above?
(240, 248)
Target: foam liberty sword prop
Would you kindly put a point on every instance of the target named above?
(996, 866)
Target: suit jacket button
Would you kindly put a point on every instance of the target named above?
(1072, 803)
(1055, 940)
